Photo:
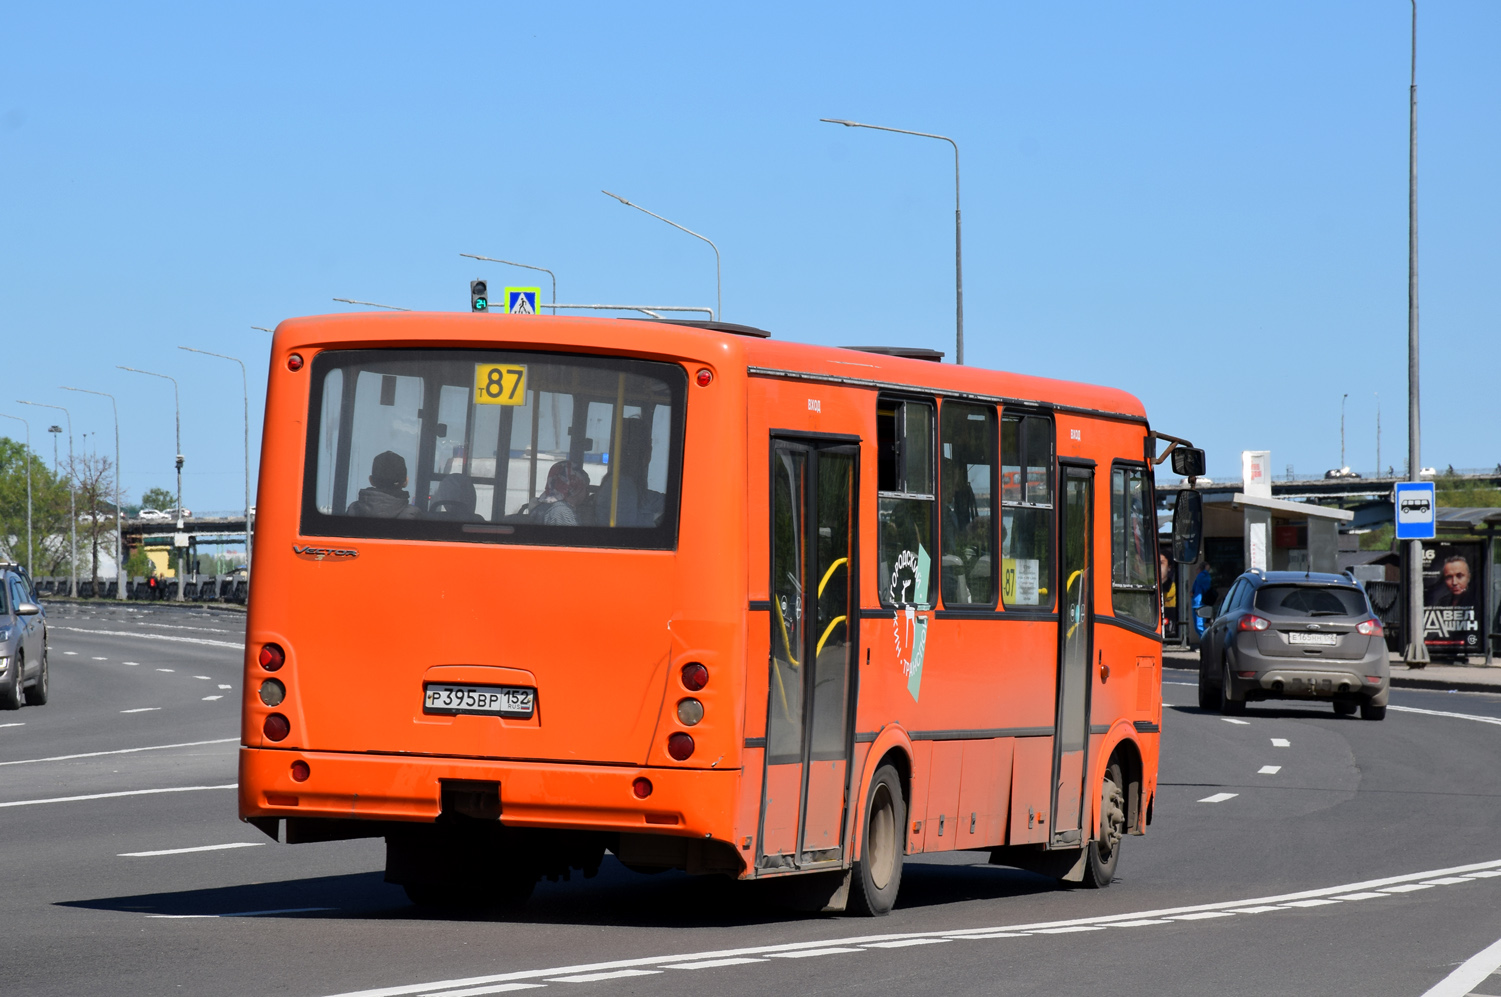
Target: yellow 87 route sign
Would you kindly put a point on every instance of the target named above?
(499, 384)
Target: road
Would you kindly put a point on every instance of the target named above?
(1292, 852)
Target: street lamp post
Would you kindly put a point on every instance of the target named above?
(30, 568)
(524, 266)
(177, 411)
(245, 390)
(119, 533)
(72, 502)
(718, 285)
(1342, 399)
(958, 239)
(1417, 647)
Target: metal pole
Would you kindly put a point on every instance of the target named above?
(119, 532)
(958, 228)
(72, 501)
(245, 394)
(1342, 399)
(30, 567)
(177, 414)
(372, 304)
(1416, 646)
(718, 286)
(524, 266)
(1378, 434)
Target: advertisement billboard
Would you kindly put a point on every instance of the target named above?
(1452, 599)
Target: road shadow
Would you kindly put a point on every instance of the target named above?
(616, 897)
(1280, 711)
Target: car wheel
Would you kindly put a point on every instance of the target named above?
(1342, 708)
(877, 874)
(1209, 694)
(10, 695)
(1229, 707)
(37, 694)
(1370, 711)
(1105, 851)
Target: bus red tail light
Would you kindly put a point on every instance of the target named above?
(705, 377)
(294, 362)
(1253, 622)
(277, 727)
(695, 676)
(680, 746)
(272, 657)
(300, 771)
(1371, 628)
(641, 787)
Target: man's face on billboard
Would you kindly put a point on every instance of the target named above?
(1457, 577)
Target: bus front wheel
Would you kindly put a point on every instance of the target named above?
(877, 873)
(1105, 851)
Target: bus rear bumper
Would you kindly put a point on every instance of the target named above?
(364, 787)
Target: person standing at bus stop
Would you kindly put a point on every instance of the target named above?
(1203, 585)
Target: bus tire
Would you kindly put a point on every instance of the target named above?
(1105, 850)
(876, 875)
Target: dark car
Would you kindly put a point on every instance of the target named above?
(23, 641)
(1294, 635)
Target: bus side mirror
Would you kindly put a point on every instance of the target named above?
(1188, 524)
(1188, 462)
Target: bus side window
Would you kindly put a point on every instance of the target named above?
(1027, 511)
(1133, 587)
(967, 462)
(904, 501)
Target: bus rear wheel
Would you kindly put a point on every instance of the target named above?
(1105, 851)
(876, 875)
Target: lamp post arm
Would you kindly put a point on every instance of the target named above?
(718, 284)
(245, 395)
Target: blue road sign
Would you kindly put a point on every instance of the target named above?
(522, 300)
(1417, 510)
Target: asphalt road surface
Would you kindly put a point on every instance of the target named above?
(1292, 852)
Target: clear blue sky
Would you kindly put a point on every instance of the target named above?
(1202, 203)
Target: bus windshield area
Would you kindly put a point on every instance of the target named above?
(494, 446)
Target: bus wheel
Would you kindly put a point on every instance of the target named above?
(1105, 850)
(877, 874)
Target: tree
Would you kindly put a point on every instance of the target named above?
(159, 499)
(49, 515)
(94, 483)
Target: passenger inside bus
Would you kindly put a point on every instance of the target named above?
(455, 500)
(567, 491)
(634, 504)
(386, 498)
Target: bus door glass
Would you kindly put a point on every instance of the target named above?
(1076, 608)
(812, 641)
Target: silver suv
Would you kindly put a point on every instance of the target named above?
(1294, 635)
(23, 641)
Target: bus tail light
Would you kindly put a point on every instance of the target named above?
(695, 676)
(277, 727)
(705, 377)
(1371, 628)
(1253, 622)
(272, 657)
(301, 770)
(641, 787)
(273, 692)
(690, 712)
(294, 362)
(679, 746)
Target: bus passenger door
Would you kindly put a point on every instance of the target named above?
(1075, 623)
(812, 654)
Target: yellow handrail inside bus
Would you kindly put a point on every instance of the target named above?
(615, 456)
(786, 643)
(1070, 584)
(827, 630)
(829, 573)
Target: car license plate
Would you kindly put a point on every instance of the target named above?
(485, 700)
(1321, 640)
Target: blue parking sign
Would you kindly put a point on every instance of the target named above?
(1417, 510)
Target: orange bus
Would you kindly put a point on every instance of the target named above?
(531, 589)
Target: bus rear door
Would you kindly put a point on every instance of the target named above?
(1075, 623)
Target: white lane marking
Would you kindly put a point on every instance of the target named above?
(196, 848)
(1316, 902)
(1281, 742)
(164, 669)
(69, 652)
(1251, 905)
(1485, 874)
(1194, 684)
(208, 699)
(122, 751)
(1407, 888)
(595, 977)
(499, 988)
(810, 953)
(110, 796)
(1446, 881)
(1470, 973)
(241, 913)
(20, 723)
(101, 659)
(700, 964)
(142, 709)
(1269, 770)
(132, 664)
(226, 687)
(1363, 896)
(1445, 713)
(1232, 720)
(177, 626)
(204, 677)
(130, 633)
(1140, 923)
(1219, 797)
(902, 943)
(1071, 929)
(1203, 915)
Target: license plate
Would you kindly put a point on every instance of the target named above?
(1321, 640)
(485, 700)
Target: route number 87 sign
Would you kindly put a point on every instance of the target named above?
(499, 384)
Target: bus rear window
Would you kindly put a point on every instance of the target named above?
(494, 446)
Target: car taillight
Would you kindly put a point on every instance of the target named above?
(695, 676)
(641, 787)
(679, 746)
(1253, 622)
(1373, 679)
(272, 657)
(300, 771)
(277, 727)
(1371, 628)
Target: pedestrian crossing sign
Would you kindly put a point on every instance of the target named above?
(522, 300)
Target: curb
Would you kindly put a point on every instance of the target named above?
(217, 607)
(1408, 682)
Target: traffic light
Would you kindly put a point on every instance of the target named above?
(479, 296)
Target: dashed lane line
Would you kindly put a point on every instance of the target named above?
(698, 964)
(142, 709)
(204, 677)
(209, 699)
(195, 848)
(1445, 713)
(167, 637)
(1269, 770)
(1232, 720)
(1470, 974)
(19, 723)
(122, 751)
(499, 988)
(226, 686)
(166, 670)
(1281, 742)
(1219, 797)
(653, 964)
(110, 796)
(596, 977)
